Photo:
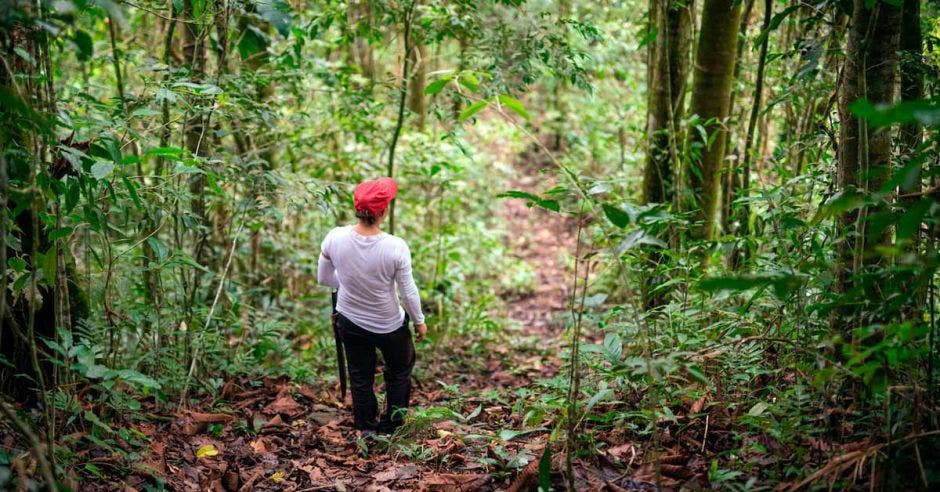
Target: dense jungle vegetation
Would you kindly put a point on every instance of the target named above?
(675, 244)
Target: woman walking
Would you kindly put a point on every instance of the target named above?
(365, 264)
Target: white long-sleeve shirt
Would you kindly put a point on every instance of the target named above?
(366, 269)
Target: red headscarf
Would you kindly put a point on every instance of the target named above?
(375, 196)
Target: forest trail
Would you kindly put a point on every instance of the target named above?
(466, 434)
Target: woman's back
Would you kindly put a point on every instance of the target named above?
(367, 268)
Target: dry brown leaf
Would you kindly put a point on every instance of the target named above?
(622, 452)
(283, 404)
(697, 405)
(675, 471)
(211, 418)
(386, 476)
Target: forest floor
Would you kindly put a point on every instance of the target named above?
(465, 434)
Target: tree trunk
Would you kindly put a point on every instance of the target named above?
(864, 154)
(26, 137)
(667, 74)
(360, 51)
(417, 102)
(742, 179)
(911, 136)
(711, 98)
(194, 58)
(729, 182)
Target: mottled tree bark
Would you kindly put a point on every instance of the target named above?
(711, 98)
(417, 102)
(864, 156)
(194, 54)
(911, 136)
(360, 51)
(667, 75)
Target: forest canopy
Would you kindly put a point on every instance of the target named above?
(660, 245)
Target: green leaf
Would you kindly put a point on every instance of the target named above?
(697, 374)
(84, 44)
(60, 233)
(436, 86)
(167, 152)
(91, 417)
(207, 451)
(514, 105)
(650, 37)
(101, 170)
(758, 409)
(601, 394)
(469, 81)
(509, 434)
(132, 192)
(94, 470)
(184, 169)
(637, 239)
(473, 109)
(552, 205)
(49, 262)
(159, 247)
(616, 216)
(25, 56)
(923, 112)
(16, 264)
(137, 379)
(277, 13)
(545, 469)
(253, 40)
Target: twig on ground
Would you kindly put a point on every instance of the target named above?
(35, 445)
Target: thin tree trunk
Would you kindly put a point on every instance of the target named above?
(744, 178)
(729, 182)
(911, 136)
(711, 98)
(870, 72)
(417, 102)
(396, 133)
(667, 75)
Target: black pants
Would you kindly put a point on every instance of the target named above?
(398, 351)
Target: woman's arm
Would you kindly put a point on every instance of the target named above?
(406, 286)
(326, 272)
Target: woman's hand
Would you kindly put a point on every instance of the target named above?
(421, 331)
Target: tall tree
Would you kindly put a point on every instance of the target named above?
(29, 169)
(667, 75)
(864, 154)
(911, 134)
(711, 98)
(359, 19)
(194, 58)
(417, 102)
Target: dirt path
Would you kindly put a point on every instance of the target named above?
(544, 240)
(465, 434)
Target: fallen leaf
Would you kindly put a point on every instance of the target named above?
(207, 451)
(697, 406)
(285, 404)
(621, 451)
(211, 418)
(387, 475)
(278, 476)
